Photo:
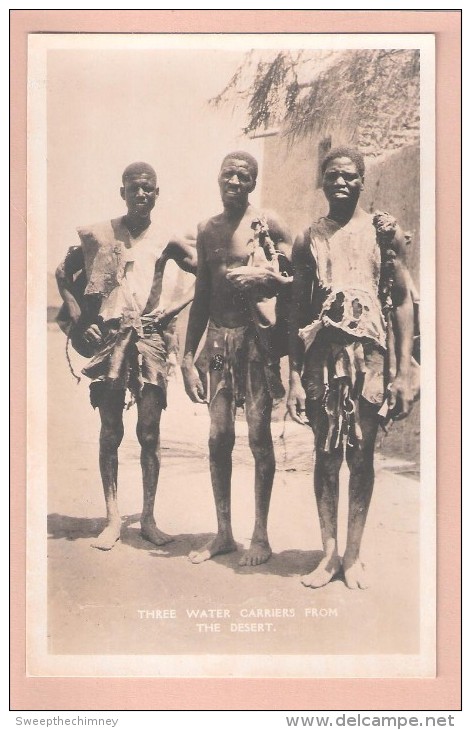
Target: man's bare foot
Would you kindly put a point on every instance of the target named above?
(109, 536)
(150, 532)
(218, 546)
(355, 574)
(258, 553)
(323, 574)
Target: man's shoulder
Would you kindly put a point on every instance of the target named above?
(101, 228)
(206, 225)
(303, 236)
(302, 242)
(279, 230)
(273, 219)
(318, 224)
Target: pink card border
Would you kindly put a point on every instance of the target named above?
(442, 693)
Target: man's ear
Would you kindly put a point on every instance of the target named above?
(121, 192)
(157, 191)
(362, 187)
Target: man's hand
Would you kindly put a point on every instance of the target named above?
(193, 385)
(296, 401)
(162, 317)
(93, 335)
(400, 398)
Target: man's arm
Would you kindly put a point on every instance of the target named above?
(198, 319)
(402, 320)
(182, 249)
(396, 294)
(165, 316)
(300, 312)
(71, 282)
(66, 272)
(281, 236)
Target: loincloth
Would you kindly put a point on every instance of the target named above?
(340, 372)
(229, 351)
(127, 360)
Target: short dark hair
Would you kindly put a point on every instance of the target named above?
(354, 155)
(137, 168)
(247, 157)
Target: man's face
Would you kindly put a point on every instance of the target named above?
(140, 192)
(342, 181)
(236, 181)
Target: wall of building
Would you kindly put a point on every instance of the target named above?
(290, 182)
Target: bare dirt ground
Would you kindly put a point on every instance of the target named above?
(98, 600)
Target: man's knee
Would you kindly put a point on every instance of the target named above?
(111, 436)
(260, 442)
(360, 461)
(221, 441)
(328, 463)
(148, 436)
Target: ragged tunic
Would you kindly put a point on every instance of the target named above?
(346, 339)
(126, 283)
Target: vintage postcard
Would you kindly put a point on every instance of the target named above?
(183, 522)
(140, 606)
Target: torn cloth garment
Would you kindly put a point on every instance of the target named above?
(128, 359)
(110, 252)
(229, 350)
(112, 275)
(347, 265)
(132, 351)
(351, 311)
(340, 369)
(346, 341)
(339, 374)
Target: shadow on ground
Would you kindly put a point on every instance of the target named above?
(286, 563)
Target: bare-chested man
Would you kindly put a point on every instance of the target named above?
(242, 367)
(349, 273)
(114, 293)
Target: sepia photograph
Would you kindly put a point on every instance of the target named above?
(231, 355)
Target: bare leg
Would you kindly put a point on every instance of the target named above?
(361, 484)
(259, 408)
(326, 489)
(149, 410)
(221, 443)
(111, 434)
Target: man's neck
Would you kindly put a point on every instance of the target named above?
(343, 214)
(136, 226)
(235, 212)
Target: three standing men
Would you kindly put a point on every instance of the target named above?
(120, 315)
(338, 344)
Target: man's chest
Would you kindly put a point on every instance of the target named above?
(229, 247)
(346, 257)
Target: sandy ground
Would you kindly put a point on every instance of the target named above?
(98, 600)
